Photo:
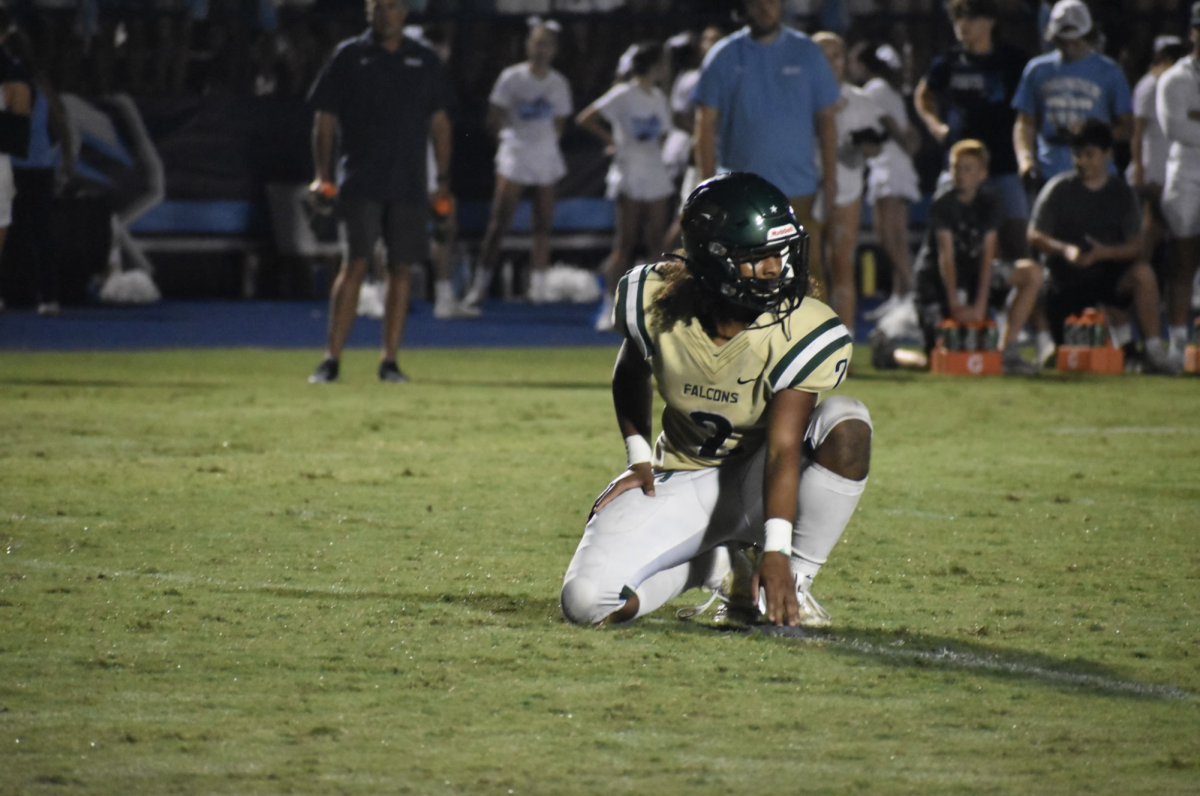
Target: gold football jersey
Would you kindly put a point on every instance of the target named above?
(717, 396)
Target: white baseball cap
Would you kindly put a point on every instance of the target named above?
(1069, 19)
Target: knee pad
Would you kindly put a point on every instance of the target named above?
(580, 603)
(830, 412)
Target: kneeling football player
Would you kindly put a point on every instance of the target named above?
(752, 481)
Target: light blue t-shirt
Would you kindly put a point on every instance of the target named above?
(767, 95)
(1062, 95)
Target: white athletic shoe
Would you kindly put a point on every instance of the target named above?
(731, 588)
(811, 612)
(449, 310)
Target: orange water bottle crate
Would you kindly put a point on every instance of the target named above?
(967, 350)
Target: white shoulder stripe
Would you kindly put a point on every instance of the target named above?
(634, 309)
(806, 356)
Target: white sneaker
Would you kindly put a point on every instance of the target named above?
(604, 318)
(49, 309)
(1045, 353)
(883, 309)
(450, 310)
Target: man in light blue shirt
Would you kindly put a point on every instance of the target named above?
(766, 94)
(1063, 89)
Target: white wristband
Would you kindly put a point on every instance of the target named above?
(637, 449)
(778, 535)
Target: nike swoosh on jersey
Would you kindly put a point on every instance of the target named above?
(747, 381)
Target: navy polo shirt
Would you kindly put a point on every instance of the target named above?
(383, 101)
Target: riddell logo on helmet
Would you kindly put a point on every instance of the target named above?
(781, 232)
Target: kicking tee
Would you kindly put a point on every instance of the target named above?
(717, 396)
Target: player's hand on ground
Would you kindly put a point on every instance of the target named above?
(775, 575)
(640, 476)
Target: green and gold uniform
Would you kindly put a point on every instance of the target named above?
(717, 396)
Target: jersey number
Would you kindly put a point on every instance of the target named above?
(840, 369)
(721, 430)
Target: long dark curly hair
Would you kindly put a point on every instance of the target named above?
(683, 298)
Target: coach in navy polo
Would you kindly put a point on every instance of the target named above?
(387, 94)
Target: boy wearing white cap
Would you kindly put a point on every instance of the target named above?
(1179, 114)
(1063, 89)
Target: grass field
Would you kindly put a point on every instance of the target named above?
(219, 579)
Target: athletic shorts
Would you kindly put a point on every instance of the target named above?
(1094, 286)
(403, 226)
(1181, 205)
(692, 511)
(538, 163)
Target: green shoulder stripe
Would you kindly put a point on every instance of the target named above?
(817, 360)
(797, 356)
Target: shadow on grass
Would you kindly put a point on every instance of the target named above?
(902, 649)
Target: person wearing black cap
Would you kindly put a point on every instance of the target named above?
(1179, 114)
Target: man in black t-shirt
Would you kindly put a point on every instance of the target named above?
(957, 274)
(1087, 225)
(967, 94)
(386, 94)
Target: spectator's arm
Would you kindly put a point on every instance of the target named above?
(589, 119)
(985, 273)
(1046, 244)
(1024, 142)
(907, 137)
(926, 106)
(60, 129)
(324, 132)
(1123, 126)
(497, 117)
(441, 134)
(706, 141)
(1135, 151)
(826, 120)
(945, 260)
(1130, 249)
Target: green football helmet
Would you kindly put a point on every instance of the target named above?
(736, 218)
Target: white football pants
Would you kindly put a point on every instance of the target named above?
(636, 537)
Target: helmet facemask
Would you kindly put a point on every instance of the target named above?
(757, 293)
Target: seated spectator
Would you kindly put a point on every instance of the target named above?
(1087, 225)
(637, 123)
(860, 135)
(529, 108)
(958, 275)
(1179, 111)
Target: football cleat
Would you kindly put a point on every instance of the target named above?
(731, 589)
(811, 612)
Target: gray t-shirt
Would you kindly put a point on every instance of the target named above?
(1068, 210)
